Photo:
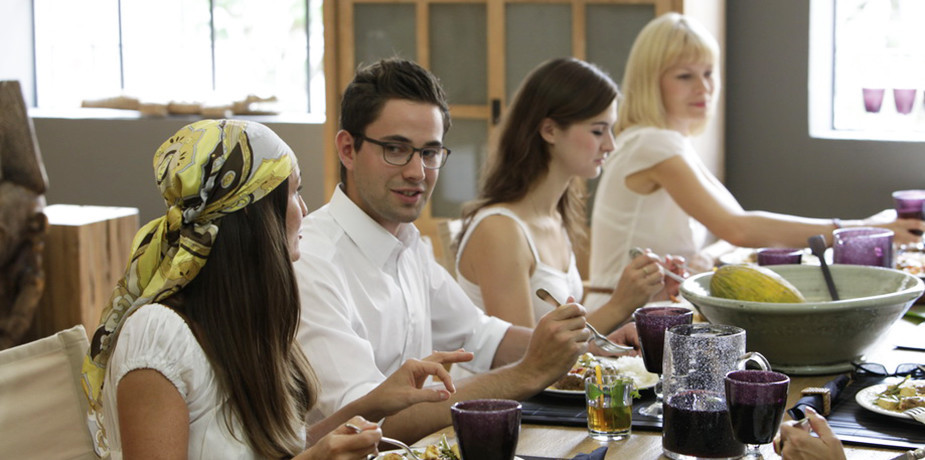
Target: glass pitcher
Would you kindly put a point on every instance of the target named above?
(696, 420)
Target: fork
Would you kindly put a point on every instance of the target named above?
(600, 340)
(386, 440)
(918, 413)
(637, 251)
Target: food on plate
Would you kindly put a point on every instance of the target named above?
(753, 283)
(911, 262)
(628, 366)
(903, 395)
(442, 450)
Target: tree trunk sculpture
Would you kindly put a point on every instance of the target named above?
(22, 222)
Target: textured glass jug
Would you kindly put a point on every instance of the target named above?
(696, 420)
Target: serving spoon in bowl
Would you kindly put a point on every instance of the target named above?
(600, 340)
(817, 246)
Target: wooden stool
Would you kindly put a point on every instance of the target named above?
(86, 251)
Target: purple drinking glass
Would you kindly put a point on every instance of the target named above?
(756, 401)
(873, 99)
(779, 256)
(904, 99)
(486, 429)
(909, 205)
(651, 324)
(863, 246)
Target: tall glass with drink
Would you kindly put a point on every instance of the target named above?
(651, 324)
(609, 399)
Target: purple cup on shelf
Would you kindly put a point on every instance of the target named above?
(873, 99)
(863, 246)
(779, 256)
(486, 429)
(904, 99)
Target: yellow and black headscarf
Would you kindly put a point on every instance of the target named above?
(206, 170)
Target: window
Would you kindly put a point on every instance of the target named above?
(213, 52)
(867, 69)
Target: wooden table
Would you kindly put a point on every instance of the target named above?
(566, 442)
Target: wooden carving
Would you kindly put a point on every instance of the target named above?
(22, 222)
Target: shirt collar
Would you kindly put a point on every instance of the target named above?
(373, 240)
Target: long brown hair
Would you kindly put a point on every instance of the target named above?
(566, 90)
(244, 308)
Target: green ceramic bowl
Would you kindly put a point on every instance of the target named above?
(819, 336)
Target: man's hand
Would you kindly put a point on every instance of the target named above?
(557, 340)
(625, 335)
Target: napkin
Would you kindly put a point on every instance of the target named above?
(835, 387)
(598, 454)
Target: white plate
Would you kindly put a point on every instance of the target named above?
(635, 360)
(866, 397)
(911, 338)
(402, 451)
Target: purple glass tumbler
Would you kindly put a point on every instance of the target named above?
(863, 246)
(873, 99)
(651, 324)
(779, 256)
(909, 205)
(904, 99)
(486, 429)
(756, 401)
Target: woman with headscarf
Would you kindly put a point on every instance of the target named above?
(195, 355)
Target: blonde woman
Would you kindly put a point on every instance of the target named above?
(655, 191)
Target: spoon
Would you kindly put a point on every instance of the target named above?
(817, 246)
(600, 340)
(386, 440)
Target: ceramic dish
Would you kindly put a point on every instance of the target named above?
(645, 381)
(819, 336)
(866, 397)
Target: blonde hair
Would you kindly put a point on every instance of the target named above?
(666, 41)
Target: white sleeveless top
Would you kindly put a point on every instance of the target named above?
(156, 337)
(560, 284)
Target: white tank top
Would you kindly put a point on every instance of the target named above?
(560, 284)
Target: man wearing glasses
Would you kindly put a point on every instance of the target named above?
(372, 294)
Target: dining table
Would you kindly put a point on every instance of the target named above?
(542, 441)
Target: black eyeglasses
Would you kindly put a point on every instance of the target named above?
(911, 369)
(400, 153)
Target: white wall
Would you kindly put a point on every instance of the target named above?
(16, 45)
(771, 161)
(106, 160)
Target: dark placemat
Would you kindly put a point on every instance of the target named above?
(849, 421)
(568, 410)
(854, 424)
